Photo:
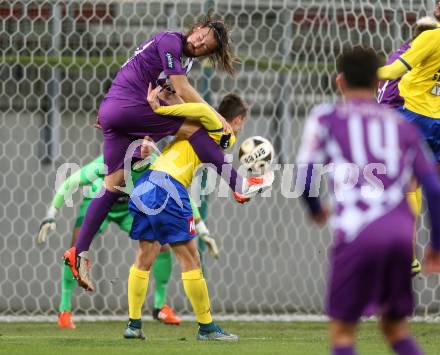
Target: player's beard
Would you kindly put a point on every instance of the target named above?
(188, 49)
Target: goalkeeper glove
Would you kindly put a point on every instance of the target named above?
(47, 225)
(203, 233)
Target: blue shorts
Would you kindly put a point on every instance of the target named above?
(428, 127)
(161, 210)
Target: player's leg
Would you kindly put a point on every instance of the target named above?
(398, 335)
(396, 296)
(342, 337)
(68, 284)
(196, 290)
(162, 268)
(138, 285)
(414, 199)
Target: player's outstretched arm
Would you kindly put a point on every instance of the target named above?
(186, 91)
(84, 176)
(392, 71)
(425, 45)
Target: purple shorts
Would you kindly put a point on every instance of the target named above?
(124, 122)
(372, 274)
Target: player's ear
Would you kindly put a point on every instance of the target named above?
(340, 83)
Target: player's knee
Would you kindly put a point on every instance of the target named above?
(144, 258)
(342, 333)
(114, 180)
(188, 261)
(394, 329)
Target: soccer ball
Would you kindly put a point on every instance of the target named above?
(256, 154)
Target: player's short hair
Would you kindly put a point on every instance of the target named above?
(359, 66)
(222, 56)
(232, 106)
(424, 24)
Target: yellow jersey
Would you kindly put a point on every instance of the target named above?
(178, 159)
(420, 87)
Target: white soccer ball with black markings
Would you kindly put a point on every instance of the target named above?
(256, 154)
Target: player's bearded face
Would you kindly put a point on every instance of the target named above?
(200, 42)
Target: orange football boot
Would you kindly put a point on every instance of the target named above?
(166, 315)
(65, 320)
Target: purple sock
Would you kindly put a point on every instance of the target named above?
(343, 350)
(407, 346)
(95, 215)
(209, 152)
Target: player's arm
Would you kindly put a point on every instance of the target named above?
(392, 71)
(421, 47)
(84, 176)
(312, 152)
(186, 91)
(194, 111)
(203, 231)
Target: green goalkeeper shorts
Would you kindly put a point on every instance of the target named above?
(118, 214)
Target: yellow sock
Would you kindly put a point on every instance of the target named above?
(197, 292)
(419, 200)
(137, 290)
(415, 203)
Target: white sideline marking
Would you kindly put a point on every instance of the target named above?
(235, 318)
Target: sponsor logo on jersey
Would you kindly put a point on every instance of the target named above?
(192, 225)
(225, 140)
(436, 90)
(169, 57)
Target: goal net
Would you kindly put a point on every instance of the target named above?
(58, 59)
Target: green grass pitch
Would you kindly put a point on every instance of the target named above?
(105, 338)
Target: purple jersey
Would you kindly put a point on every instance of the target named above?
(374, 154)
(388, 92)
(154, 59)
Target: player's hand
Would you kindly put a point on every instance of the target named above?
(47, 225)
(431, 261)
(97, 124)
(321, 218)
(211, 244)
(153, 96)
(168, 94)
(146, 147)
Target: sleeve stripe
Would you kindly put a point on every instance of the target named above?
(215, 130)
(405, 63)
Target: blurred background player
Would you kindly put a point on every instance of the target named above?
(437, 12)
(159, 204)
(92, 175)
(420, 86)
(388, 94)
(125, 116)
(370, 258)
